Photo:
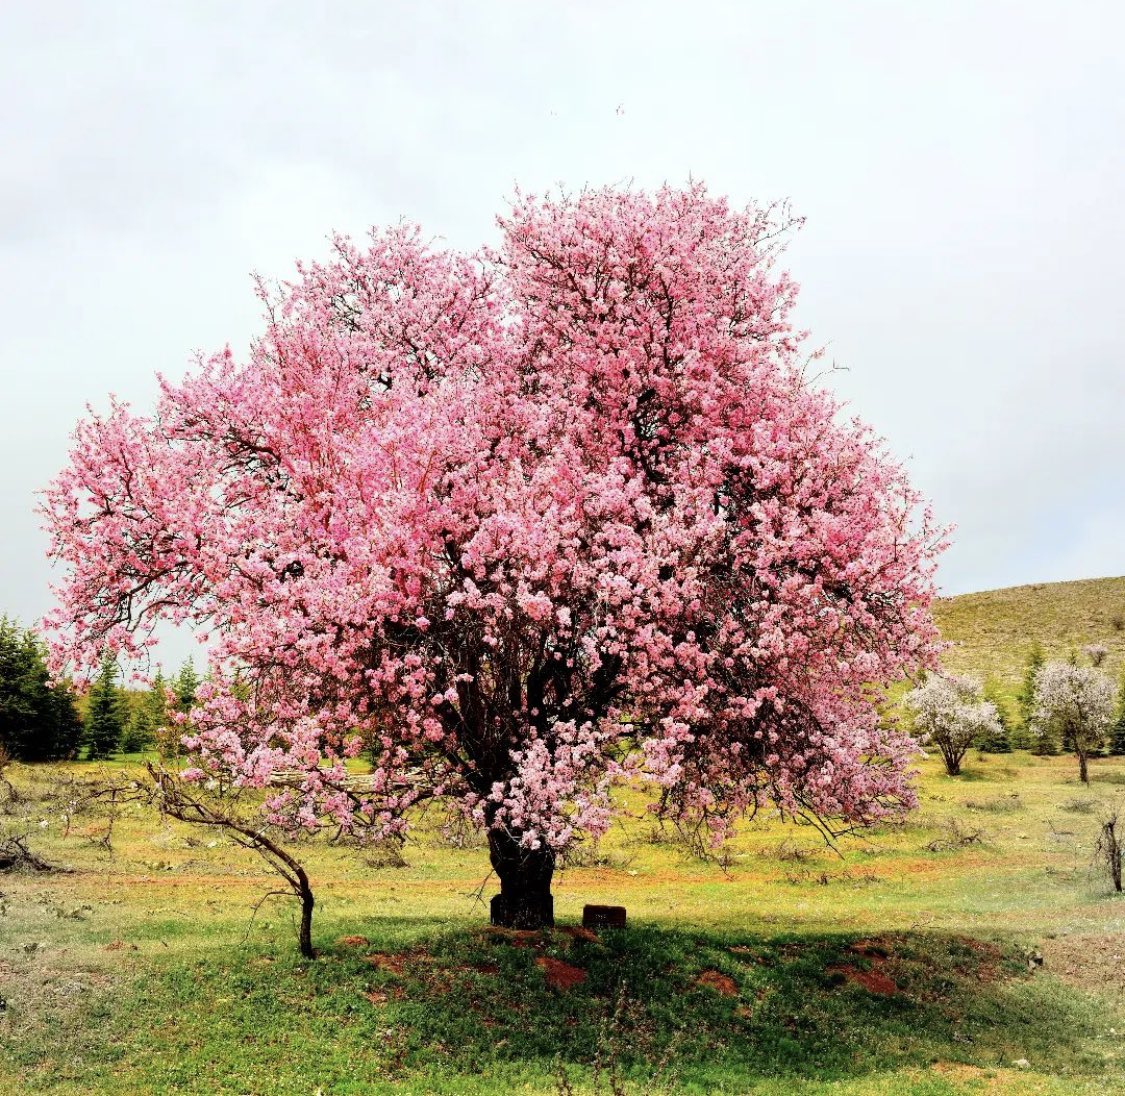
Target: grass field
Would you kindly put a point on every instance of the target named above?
(992, 631)
(897, 965)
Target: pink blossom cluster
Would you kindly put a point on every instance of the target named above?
(519, 524)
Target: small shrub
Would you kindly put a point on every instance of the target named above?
(955, 836)
(1079, 805)
(999, 804)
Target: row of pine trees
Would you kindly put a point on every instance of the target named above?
(1016, 734)
(45, 721)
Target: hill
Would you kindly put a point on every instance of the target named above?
(993, 630)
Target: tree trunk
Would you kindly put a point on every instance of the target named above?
(304, 937)
(1113, 853)
(1082, 773)
(525, 900)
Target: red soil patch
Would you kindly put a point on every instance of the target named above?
(376, 998)
(486, 968)
(871, 980)
(560, 975)
(577, 932)
(352, 942)
(119, 945)
(870, 949)
(392, 964)
(720, 983)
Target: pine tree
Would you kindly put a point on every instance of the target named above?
(1045, 743)
(148, 717)
(998, 740)
(38, 720)
(186, 686)
(1117, 734)
(105, 719)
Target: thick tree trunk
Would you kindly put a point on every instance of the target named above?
(524, 901)
(1082, 773)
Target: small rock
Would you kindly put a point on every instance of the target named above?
(1022, 1063)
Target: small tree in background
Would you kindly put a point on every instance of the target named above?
(105, 718)
(147, 722)
(39, 720)
(951, 714)
(1096, 653)
(184, 688)
(1117, 734)
(1042, 741)
(999, 741)
(1076, 704)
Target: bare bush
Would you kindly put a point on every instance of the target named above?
(1109, 848)
(955, 836)
(998, 804)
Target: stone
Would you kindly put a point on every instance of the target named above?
(603, 917)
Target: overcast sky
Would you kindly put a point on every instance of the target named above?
(960, 166)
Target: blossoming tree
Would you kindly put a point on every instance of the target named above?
(950, 712)
(1076, 704)
(518, 524)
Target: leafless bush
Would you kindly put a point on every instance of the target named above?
(16, 856)
(1109, 848)
(224, 812)
(1078, 805)
(1096, 653)
(999, 804)
(955, 836)
(590, 854)
(385, 854)
(789, 852)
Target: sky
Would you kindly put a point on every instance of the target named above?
(959, 166)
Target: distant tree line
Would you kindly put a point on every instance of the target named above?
(42, 720)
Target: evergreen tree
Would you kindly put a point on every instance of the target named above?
(1045, 743)
(105, 719)
(147, 718)
(999, 738)
(186, 686)
(38, 720)
(1117, 734)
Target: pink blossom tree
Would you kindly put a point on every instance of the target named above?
(520, 524)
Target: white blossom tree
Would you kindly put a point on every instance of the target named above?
(1076, 703)
(951, 713)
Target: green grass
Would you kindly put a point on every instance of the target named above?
(142, 972)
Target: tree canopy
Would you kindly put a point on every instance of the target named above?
(522, 523)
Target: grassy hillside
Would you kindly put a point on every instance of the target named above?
(992, 631)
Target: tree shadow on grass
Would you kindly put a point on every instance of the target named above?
(663, 1009)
